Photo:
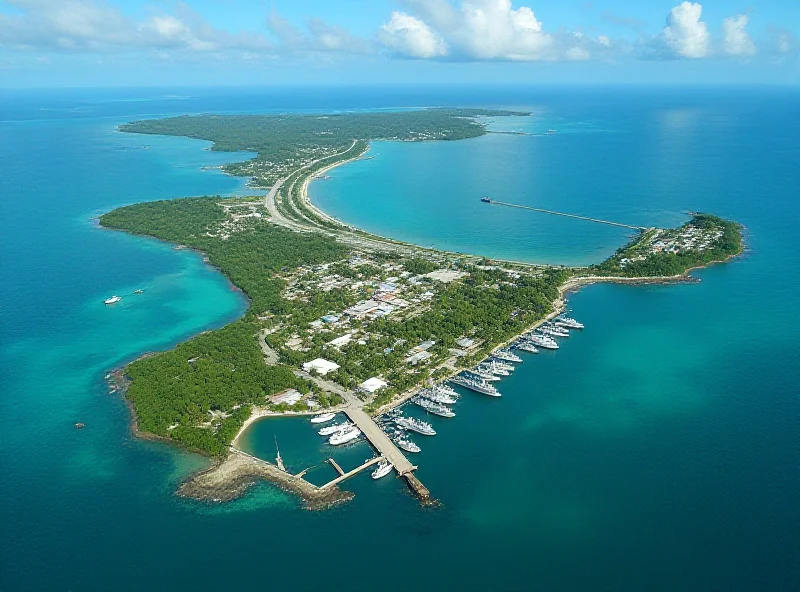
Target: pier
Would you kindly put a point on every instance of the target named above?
(342, 475)
(566, 215)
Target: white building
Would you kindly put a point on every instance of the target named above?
(321, 366)
(372, 384)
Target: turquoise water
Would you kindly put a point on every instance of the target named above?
(657, 450)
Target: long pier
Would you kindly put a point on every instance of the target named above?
(553, 212)
(342, 475)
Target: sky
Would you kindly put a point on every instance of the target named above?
(98, 43)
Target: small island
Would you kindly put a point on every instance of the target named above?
(340, 319)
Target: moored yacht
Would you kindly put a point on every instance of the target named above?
(569, 323)
(322, 418)
(483, 374)
(415, 425)
(344, 436)
(437, 397)
(479, 386)
(432, 407)
(337, 427)
(526, 347)
(406, 444)
(384, 468)
(492, 368)
(506, 356)
(543, 341)
(445, 390)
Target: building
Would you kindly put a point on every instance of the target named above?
(418, 357)
(290, 397)
(321, 366)
(340, 341)
(465, 342)
(330, 319)
(364, 308)
(372, 384)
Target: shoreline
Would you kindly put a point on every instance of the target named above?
(232, 476)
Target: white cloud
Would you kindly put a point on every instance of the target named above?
(686, 35)
(411, 37)
(735, 40)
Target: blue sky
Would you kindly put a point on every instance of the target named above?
(64, 43)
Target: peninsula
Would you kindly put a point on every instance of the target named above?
(377, 317)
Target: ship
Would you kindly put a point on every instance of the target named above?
(406, 444)
(444, 390)
(553, 331)
(526, 347)
(437, 397)
(479, 386)
(432, 407)
(384, 468)
(415, 425)
(112, 300)
(344, 436)
(486, 200)
(506, 356)
(543, 341)
(569, 323)
(337, 427)
(325, 417)
(483, 374)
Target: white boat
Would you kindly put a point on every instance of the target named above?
(554, 331)
(445, 390)
(495, 369)
(432, 407)
(526, 347)
(479, 386)
(338, 427)
(344, 436)
(384, 468)
(437, 397)
(415, 425)
(112, 300)
(569, 323)
(483, 374)
(506, 356)
(406, 444)
(324, 417)
(503, 365)
(543, 341)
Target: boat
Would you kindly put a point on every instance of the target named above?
(344, 436)
(138, 291)
(112, 300)
(526, 347)
(506, 356)
(406, 444)
(332, 429)
(504, 365)
(569, 323)
(436, 397)
(486, 200)
(384, 468)
(432, 407)
(479, 386)
(322, 418)
(444, 390)
(416, 425)
(543, 341)
(496, 369)
(484, 375)
(554, 331)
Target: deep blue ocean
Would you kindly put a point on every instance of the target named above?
(659, 449)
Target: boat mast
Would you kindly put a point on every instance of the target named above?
(278, 458)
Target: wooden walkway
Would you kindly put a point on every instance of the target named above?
(553, 212)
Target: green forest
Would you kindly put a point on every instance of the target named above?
(665, 264)
(284, 141)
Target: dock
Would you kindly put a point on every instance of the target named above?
(342, 475)
(565, 214)
(380, 441)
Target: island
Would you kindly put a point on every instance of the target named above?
(340, 319)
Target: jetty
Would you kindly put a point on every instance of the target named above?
(565, 214)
